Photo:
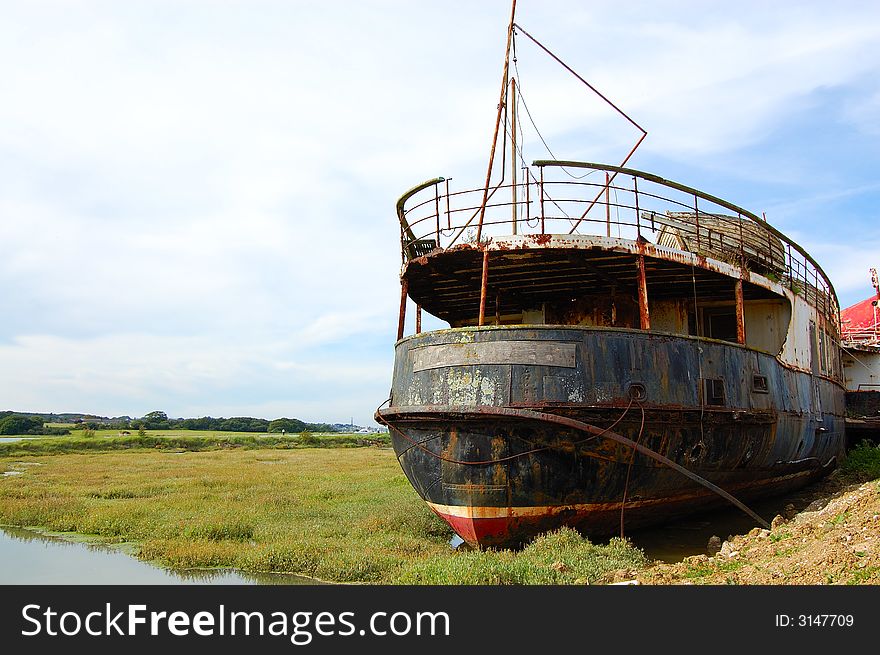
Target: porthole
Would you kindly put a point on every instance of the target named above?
(637, 391)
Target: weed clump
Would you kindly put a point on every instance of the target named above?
(222, 531)
(862, 463)
(559, 557)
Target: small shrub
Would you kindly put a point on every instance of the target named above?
(862, 462)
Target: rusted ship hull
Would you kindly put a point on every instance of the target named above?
(474, 424)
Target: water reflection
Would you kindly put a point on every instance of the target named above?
(28, 557)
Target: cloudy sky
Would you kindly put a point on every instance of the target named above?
(197, 197)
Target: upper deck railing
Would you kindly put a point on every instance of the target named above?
(868, 335)
(566, 197)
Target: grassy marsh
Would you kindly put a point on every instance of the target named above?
(340, 514)
(108, 440)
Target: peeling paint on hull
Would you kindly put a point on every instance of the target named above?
(498, 482)
(503, 528)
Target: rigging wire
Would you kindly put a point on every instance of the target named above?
(522, 158)
(853, 355)
(629, 469)
(538, 132)
(616, 210)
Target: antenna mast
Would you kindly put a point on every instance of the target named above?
(876, 302)
(501, 104)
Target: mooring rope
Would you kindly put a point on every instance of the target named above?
(632, 458)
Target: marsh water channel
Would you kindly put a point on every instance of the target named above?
(29, 557)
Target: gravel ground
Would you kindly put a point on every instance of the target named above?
(834, 540)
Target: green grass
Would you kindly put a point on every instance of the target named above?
(869, 574)
(340, 514)
(862, 463)
(558, 557)
(703, 570)
(840, 518)
(109, 440)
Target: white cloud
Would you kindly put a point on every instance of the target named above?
(699, 86)
(197, 198)
(865, 113)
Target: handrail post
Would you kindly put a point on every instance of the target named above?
(437, 210)
(638, 216)
(407, 236)
(740, 313)
(607, 205)
(526, 176)
(404, 289)
(448, 215)
(695, 192)
(402, 248)
(644, 314)
(788, 268)
(697, 220)
(483, 285)
(542, 199)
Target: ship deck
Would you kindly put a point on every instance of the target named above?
(529, 270)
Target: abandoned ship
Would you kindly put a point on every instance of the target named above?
(622, 349)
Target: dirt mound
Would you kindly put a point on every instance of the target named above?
(834, 540)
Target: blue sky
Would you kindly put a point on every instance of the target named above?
(197, 198)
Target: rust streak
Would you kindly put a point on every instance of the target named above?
(740, 314)
(404, 288)
(644, 314)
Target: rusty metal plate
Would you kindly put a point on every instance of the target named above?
(495, 352)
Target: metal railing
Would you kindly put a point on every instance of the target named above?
(865, 335)
(614, 202)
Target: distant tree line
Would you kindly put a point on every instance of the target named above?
(161, 421)
(20, 424)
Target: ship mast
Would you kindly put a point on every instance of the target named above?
(513, 162)
(501, 104)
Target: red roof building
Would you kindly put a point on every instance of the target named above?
(859, 323)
